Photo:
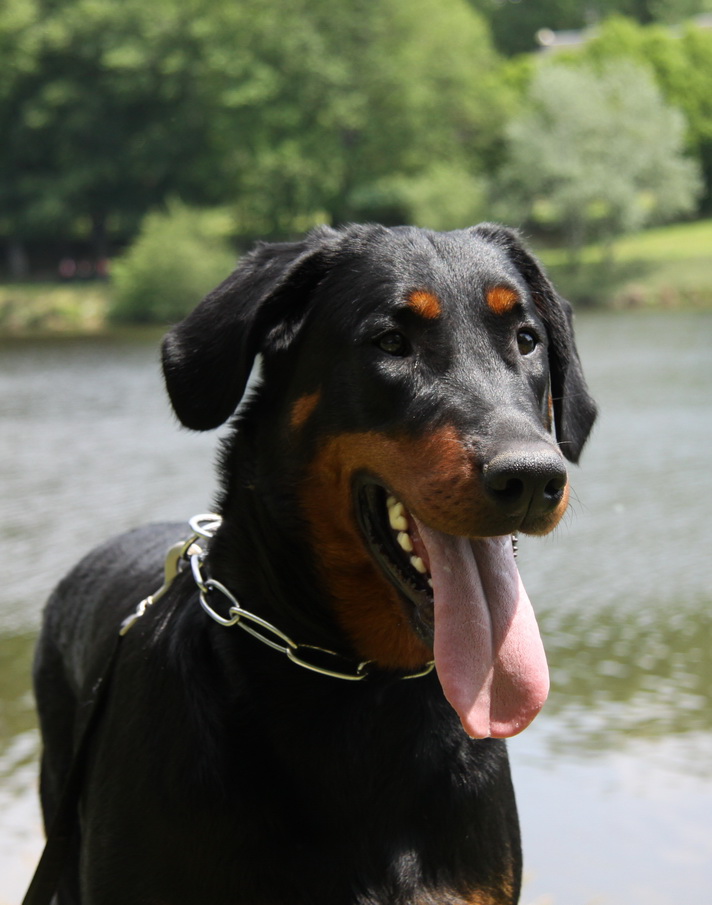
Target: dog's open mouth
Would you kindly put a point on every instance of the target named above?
(466, 600)
(394, 541)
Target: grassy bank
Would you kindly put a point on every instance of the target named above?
(71, 308)
(669, 267)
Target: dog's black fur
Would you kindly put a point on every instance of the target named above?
(221, 772)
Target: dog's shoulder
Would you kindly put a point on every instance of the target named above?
(104, 587)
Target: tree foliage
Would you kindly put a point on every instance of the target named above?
(681, 61)
(291, 111)
(288, 112)
(597, 153)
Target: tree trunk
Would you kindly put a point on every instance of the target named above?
(17, 261)
(99, 236)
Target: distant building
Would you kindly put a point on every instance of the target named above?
(550, 41)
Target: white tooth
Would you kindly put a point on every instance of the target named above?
(396, 517)
(405, 541)
(418, 564)
(391, 501)
(430, 582)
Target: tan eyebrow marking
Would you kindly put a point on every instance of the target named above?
(501, 299)
(303, 409)
(424, 303)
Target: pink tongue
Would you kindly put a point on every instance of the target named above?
(488, 652)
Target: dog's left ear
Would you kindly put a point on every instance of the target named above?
(574, 409)
(207, 358)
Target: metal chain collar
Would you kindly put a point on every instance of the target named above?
(191, 552)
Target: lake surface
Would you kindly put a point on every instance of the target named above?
(614, 778)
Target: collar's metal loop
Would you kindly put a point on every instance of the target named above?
(360, 671)
(428, 668)
(233, 616)
(236, 614)
(197, 555)
(190, 551)
(206, 524)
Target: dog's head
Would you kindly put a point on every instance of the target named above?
(421, 390)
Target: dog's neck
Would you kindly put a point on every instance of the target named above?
(242, 557)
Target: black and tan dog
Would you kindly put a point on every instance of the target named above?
(417, 392)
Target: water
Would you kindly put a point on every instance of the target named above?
(614, 779)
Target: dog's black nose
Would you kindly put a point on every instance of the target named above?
(526, 481)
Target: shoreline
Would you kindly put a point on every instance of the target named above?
(633, 281)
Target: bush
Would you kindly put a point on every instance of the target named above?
(178, 256)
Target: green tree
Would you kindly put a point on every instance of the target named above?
(102, 115)
(345, 98)
(424, 90)
(597, 153)
(291, 111)
(682, 64)
(18, 55)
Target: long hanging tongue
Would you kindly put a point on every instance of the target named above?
(488, 652)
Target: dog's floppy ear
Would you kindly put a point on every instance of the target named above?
(207, 358)
(574, 409)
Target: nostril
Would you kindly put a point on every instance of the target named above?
(555, 488)
(507, 488)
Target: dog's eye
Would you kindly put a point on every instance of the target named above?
(394, 343)
(527, 342)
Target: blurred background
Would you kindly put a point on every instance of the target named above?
(145, 147)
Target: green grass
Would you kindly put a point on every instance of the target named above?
(33, 308)
(667, 267)
(678, 242)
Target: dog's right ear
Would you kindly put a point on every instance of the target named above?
(207, 358)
